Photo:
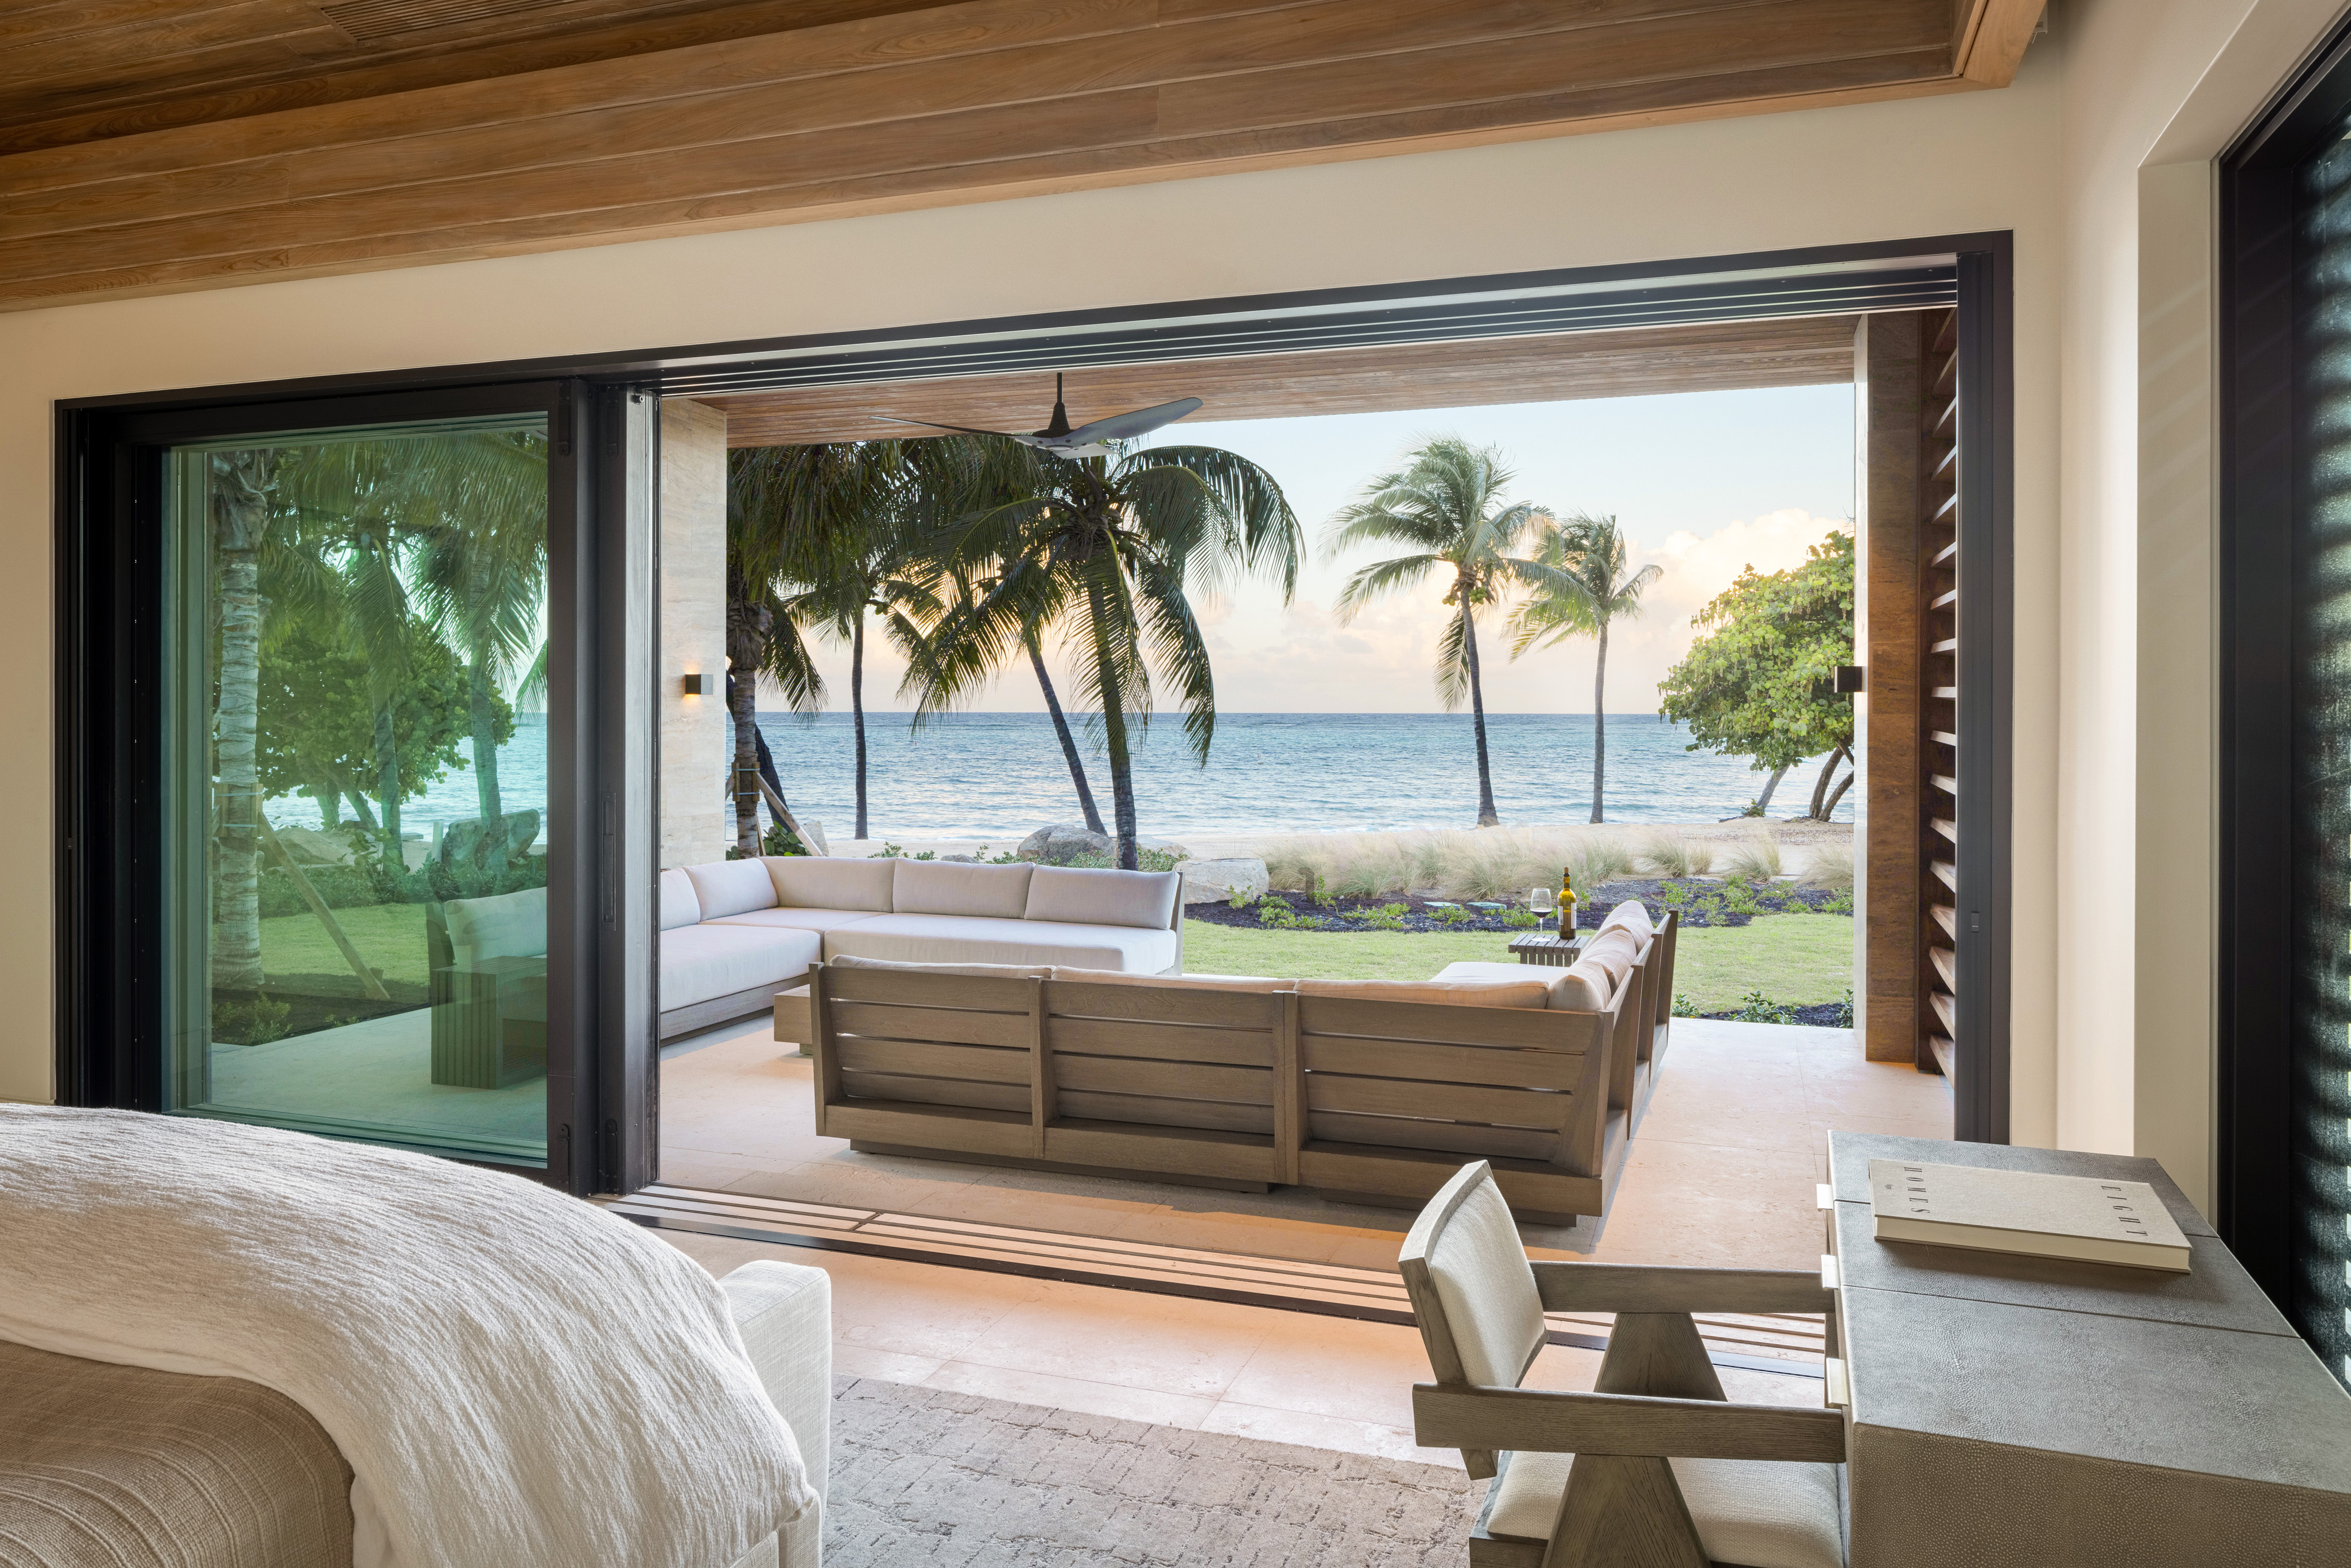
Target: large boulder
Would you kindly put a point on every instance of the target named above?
(1066, 843)
(1032, 847)
(1215, 881)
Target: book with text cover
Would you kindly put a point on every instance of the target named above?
(2085, 1219)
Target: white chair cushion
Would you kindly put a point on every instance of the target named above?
(981, 971)
(678, 905)
(962, 939)
(1599, 984)
(503, 926)
(1570, 992)
(1758, 1513)
(1513, 993)
(1614, 950)
(1632, 915)
(992, 892)
(819, 881)
(1480, 1269)
(793, 919)
(1081, 897)
(1258, 983)
(699, 962)
(732, 887)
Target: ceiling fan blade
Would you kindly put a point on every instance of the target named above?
(958, 429)
(1142, 422)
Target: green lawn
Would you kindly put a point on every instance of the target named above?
(1799, 959)
(390, 937)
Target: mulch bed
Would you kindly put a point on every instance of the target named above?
(1700, 900)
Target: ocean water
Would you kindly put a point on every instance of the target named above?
(1000, 775)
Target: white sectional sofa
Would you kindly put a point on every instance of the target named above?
(735, 933)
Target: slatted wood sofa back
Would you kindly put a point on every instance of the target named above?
(1376, 1100)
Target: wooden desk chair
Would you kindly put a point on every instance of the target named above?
(1654, 1469)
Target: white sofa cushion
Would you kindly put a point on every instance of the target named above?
(699, 962)
(793, 919)
(932, 887)
(1491, 1304)
(821, 881)
(1516, 993)
(1185, 982)
(1615, 950)
(678, 905)
(1081, 897)
(503, 926)
(963, 939)
(1632, 915)
(1765, 1513)
(1599, 983)
(1570, 992)
(731, 887)
(979, 971)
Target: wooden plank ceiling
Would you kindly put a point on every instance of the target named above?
(1805, 351)
(152, 145)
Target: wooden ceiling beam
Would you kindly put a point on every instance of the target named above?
(1554, 367)
(1991, 36)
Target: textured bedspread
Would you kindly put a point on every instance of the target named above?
(101, 1463)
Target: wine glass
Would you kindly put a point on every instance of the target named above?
(1539, 900)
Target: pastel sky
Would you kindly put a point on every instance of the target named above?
(1703, 482)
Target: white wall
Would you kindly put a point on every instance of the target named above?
(1940, 165)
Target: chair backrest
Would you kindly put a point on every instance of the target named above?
(1473, 1293)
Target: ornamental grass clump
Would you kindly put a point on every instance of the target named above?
(1497, 864)
(1756, 858)
(1831, 866)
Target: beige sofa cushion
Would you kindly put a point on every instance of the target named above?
(678, 905)
(503, 926)
(1632, 915)
(1599, 983)
(1570, 992)
(1258, 983)
(1080, 897)
(965, 940)
(1471, 993)
(794, 919)
(732, 887)
(699, 962)
(821, 881)
(931, 887)
(1615, 949)
(1491, 1304)
(979, 971)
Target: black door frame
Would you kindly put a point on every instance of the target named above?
(111, 1045)
(607, 401)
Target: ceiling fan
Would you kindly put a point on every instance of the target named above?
(1086, 440)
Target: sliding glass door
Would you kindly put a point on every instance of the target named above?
(356, 777)
(356, 790)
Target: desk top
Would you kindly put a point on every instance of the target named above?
(2196, 1372)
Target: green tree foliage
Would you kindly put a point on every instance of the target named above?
(317, 734)
(1761, 681)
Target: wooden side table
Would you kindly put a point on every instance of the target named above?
(1552, 948)
(489, 1022)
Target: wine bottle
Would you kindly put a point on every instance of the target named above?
(1566, 905)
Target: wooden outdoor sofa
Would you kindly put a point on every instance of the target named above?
(1241, 1082)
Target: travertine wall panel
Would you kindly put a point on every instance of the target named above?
(692, 633)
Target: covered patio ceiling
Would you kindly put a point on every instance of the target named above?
(1811, 350)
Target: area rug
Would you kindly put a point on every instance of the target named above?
(927, 1476)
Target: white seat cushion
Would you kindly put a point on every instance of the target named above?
(678, 905)
(979, 971)
(960, 939)
(1758, 1513)
(1632, 915)
(1258, 983)
(951, 887)
(1570, 991)
(732, 887)
(819, 881)
(796, 919)
(699, 962)
(1516, 992)
(503, 926)
(1481, 1274)
(1080, 897)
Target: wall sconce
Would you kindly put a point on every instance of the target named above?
(694, 687)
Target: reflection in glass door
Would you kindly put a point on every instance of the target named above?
(357, 807)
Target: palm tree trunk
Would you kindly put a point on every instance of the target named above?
(236, 947)
(742, 708)
(387, 790)
(1821, 786)
(1487, 816)
(486, 739)
(1113, 712)
(1069, 743)
(857, 711)
(1600, 726)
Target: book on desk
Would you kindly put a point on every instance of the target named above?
(2084, 1218)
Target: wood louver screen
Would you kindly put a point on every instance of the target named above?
(1939, 672)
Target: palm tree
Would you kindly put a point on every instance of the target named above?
(1108, 551)
(242, 498)
(1448, 508)
(765, 499)
(1062, 732)
(1590, 553)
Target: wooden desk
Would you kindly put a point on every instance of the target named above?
(2007, 1410)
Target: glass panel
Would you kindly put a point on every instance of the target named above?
(358, 823)
(2321, 997)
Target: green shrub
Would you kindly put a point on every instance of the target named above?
(1737, 898)
(1675, 894)
(1683, 1007)
(1844, 1018)
(1521, 919)
(888, 852)
(1386, 917)
(1757, 1007)
(1841, 903)
(254, 1022)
